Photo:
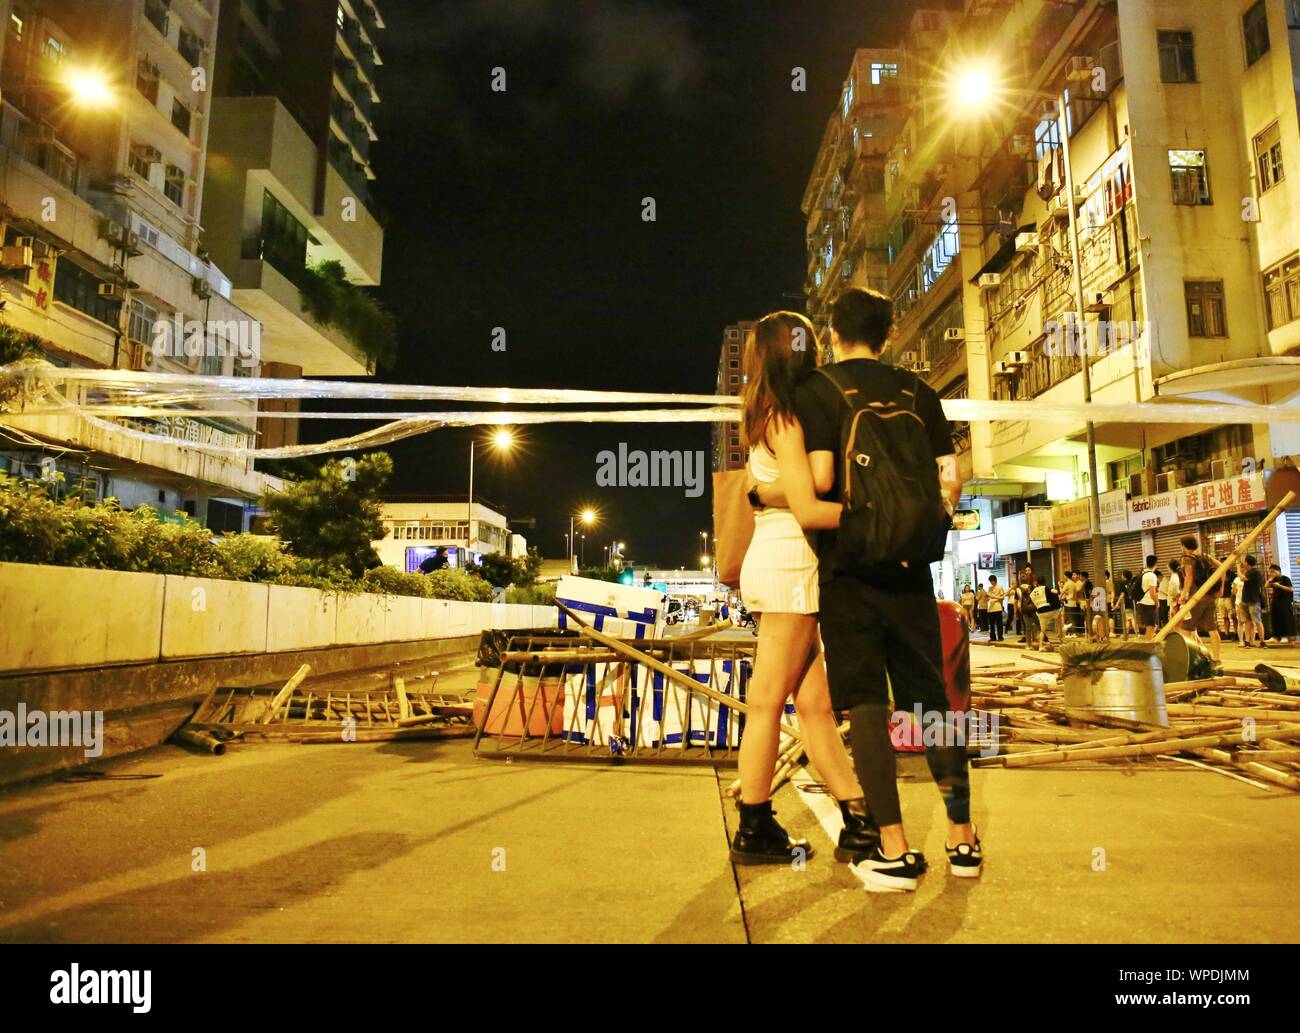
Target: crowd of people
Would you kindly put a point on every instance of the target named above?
(1138, 604)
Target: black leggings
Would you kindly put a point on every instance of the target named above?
(873, 758)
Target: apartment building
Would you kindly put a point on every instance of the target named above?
(729, 452)
(103, 137)
(290, 182)
(1182, 120)
(416, 527)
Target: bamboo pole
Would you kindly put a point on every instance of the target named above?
(283, 695)
(1214, 710)
(1148, 749)
(1176, 619)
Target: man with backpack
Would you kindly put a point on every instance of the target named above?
(896, 474)
(1197, 569)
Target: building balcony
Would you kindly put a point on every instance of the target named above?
(266, 287)
(255, 138)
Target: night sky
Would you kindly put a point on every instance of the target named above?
(523, 210)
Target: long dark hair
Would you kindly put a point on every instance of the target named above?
(781, 352)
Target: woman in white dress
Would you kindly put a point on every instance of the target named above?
(778, 583)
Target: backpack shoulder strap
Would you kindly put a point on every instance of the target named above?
(846, 390)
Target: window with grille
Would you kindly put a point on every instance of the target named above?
(1282, 292)
(1268, 156)
(174, 186)
(1206, 316)
(1177, 56)
(1191, 177)
(1254, 24)
(142, 320)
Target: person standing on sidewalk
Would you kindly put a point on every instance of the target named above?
(968, 604)
(1197, 569)
(1281, 596)
(879, 620)
(778, 582)
(994, 608)
(982, 608)
(1148, 606)
(1252, 597)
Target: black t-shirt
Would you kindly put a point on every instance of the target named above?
(822, 411)
(1253, 590)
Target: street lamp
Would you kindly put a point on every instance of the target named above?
(588, 516)
(502, 440)
(976, 86)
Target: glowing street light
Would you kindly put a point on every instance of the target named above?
(588, 516)
(90, 88)
(502, 440)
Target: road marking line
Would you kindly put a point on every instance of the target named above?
(822, 805)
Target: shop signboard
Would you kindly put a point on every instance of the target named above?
(1148, 511)
(1242, 494)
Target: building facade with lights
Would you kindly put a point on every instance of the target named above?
(415, 528)
(729, 452)
(103, 150)
(290, 180)
(1182, 123)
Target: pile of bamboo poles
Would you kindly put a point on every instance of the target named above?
(381, 704)
(1232, 724)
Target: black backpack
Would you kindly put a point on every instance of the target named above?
(889, 484)
(1202, 568)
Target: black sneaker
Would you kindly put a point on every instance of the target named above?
(965, 861)
(881, 874)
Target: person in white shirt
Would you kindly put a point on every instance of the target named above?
(1173, 590)
(1147, 605)
(993, 605)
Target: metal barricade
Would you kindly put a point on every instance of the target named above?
(578, 699)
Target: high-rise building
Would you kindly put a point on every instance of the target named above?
(103, 150)
(1182, 127)
(729, 452)
(289, 186)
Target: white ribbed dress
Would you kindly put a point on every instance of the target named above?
(779, 574)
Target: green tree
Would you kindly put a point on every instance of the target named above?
(498, 571)
(530, 566)
(333, 517)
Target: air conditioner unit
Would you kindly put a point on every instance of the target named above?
(1099, 301)
(919, 366)
(1048, 109)
(112, 231)
(1172, 480)
(954, 333)
(907, 358)
(1221, 469)
(990, 281)
(846, 269)
(202, 288)
(16, 256)
(1081, 68)
(1001, 369)
(1014, 360)
(131, 241)
(111, 291)
(1026, 243)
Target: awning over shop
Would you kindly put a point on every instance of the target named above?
(1239, 379)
